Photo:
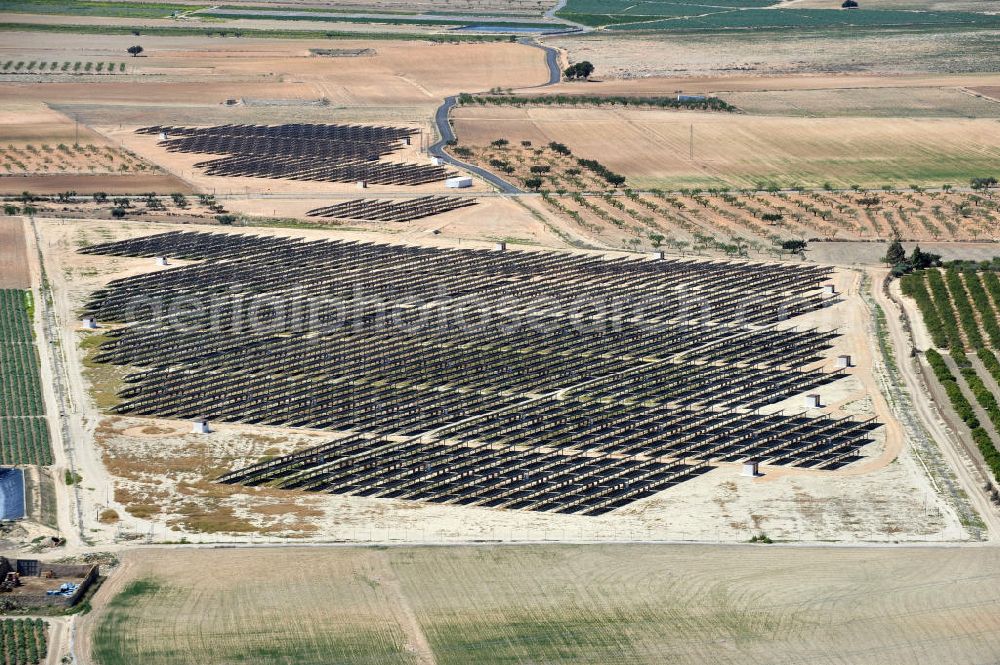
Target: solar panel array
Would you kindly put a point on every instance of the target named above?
(389, 210)
(316, 152)
(524, 380)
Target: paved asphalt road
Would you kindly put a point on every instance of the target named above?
(444, 127)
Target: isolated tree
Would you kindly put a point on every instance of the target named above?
(134, 50)
(849, 4)
(794, 246)
(895, 254)
(921, 260)
(581, 70)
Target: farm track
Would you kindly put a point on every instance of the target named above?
(55, 374)
(925, 417)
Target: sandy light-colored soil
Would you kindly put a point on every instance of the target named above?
(492, 218)
(875, 502)
(612, 603)
(14, 273)
(784, 52)
(46, 152)
(748, 82)
(403, 73)
(189, 80)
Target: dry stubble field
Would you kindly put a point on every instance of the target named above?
(653, 148)
(14, 272)
(550, 604)
(784, 52)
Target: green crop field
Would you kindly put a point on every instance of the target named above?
(24, 434)
(769, 19)
(610, 12)
(23, 641)
(692, 15)
(95, 8)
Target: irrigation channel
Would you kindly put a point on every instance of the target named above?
(447, 134)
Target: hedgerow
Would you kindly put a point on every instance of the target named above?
(942, 302)
(914, 285)
(706, 104)
(965, 411)
(966, 313)
(983, 306)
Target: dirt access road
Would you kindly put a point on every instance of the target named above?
(953, 449)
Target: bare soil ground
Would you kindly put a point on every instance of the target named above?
(738, 81)
(909, 102)
(189, 80)
(88, 184)
(546, 604)
(14, 272)
(45, 152)
(653, 147)
(990, 91)
(403, 73)
(784, 52)
(493, 218)
(29, 158)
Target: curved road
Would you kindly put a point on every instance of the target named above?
(447, 134)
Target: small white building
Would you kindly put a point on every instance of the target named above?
(500, 246)
(436, 161)
(813, 401)
(89, 323)
(751, 468)
(458, 182)
(200, 426)
(844, 362)
(362, 184)
(162, 261)
(830, 289)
